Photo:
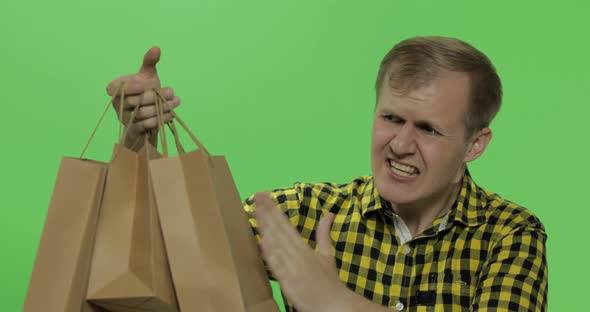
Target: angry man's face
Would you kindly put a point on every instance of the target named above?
(419, 146)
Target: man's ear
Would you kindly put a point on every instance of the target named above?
(478, 144)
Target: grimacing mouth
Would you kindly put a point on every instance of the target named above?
(404, 169)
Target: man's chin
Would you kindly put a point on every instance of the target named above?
(398, 199)
(394, 192)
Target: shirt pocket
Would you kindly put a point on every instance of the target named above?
(458, 289)
(445, 291)
(462, 282)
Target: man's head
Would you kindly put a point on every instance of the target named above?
(415, 62)
(436, 97)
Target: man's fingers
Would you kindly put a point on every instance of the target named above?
(282, 229)
(148, 124)
(131, 87)
(271, 219)
(146, 98)
(324, 241)
(263, 204)
(146, 112)
(150, 59)
(146, 78)
(263, 200)
(273, 225)
(278, 235)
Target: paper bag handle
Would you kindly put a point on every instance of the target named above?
(172, 127)
(122, 136)
(159, 115)
(161, 127)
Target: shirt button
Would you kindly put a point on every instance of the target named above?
(399, 306)
(406, 250)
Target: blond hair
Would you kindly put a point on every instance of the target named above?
(415, 62)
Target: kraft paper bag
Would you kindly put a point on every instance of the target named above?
(213, 256)
(60, 274)
(129, 269)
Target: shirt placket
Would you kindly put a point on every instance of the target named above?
(402, 268)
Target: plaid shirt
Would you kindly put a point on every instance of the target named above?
(486, 254)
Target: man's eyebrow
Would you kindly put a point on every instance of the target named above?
(418, 123)
(422, 123)
(430, 124)
(388, 111)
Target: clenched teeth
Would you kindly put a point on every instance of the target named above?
(404, 170)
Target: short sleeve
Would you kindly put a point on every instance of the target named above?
(515, 276)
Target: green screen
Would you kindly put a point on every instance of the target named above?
(258, 80)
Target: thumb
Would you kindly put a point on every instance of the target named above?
(324, 242)
(150, 59)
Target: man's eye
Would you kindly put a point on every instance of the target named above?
(391, 118)
(429, 130)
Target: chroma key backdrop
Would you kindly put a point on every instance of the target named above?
(285, 89)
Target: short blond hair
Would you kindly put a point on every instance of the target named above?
(414, 63)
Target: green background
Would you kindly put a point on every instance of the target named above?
(259, 80)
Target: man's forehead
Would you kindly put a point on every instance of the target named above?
(417, 107)
(449, 90)
(416, 99)
(419, 95)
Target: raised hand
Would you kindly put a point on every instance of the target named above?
(138, 90)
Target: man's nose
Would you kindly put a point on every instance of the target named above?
(404, 141)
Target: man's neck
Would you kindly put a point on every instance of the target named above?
(418, 216)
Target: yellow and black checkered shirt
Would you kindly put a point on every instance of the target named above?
(486, 254)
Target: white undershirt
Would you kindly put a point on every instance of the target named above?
(402, 229)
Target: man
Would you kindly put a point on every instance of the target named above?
(417, 235)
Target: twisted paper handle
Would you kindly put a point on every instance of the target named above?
(122, 136)
(160, 102)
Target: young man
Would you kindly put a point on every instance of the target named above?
(418, 234)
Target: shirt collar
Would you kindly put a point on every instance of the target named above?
(371, 200)
(467, 209)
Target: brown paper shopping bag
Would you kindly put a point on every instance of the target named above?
(60, 274)
(214, 260)
(129, 269)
